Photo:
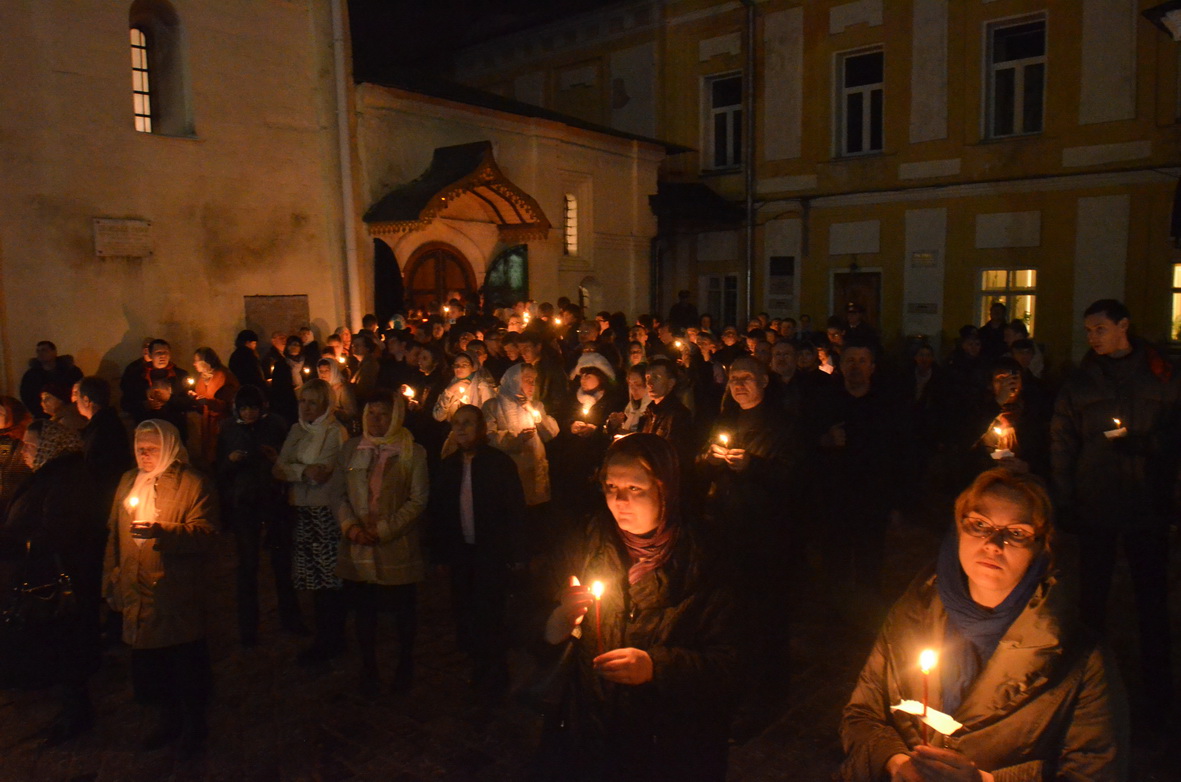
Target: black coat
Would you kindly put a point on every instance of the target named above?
(107, 450)
(245, 365)
(247, 487)
(36, 377)
(674, 727)
(136, 386)
(498, 503)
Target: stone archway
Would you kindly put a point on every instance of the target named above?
(435, 269)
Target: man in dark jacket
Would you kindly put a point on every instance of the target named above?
(1114, 448)
(476, 508)
(105, 443)
(160, 391)
(667, 416)
(48, 367)
(244, 362)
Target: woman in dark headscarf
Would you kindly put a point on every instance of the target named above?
(14, 420)
(655, 658)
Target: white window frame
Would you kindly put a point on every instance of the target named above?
(141, 90)
(986, 296)
(570, 224)
(734, 116)
(714, 284)
(866, 92)
(1020, 66)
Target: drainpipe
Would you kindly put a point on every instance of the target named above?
(352, 282)
(748, 84)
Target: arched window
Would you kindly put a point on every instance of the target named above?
(161, 101)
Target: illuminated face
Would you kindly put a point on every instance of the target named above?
(529, 352)
(636, 386)
(311, 407)
(1104, 335)
(462, 367)
(516, 324)
(635, 355)
(746, 387)
(1006, 385)
(161, 357)
(249, 415)
(528, 382)
(467, 427)
(660, 383)
(324, 372)
(74, 392)
(148, 450)
(378, 418)
(589, 382)
(512, 350)
(994, 567)
(730, 336)
(426, 362)
(50, 403)
(201, 366)
(632, 495)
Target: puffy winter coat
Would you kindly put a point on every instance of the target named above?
(1047, 705)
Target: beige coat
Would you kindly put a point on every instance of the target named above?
(161, 587)
(291, 463)
(397, 558)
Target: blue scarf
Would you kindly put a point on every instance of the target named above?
(973, 631)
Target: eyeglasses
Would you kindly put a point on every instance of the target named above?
(1017, 537)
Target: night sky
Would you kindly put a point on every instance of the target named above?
(424, 33)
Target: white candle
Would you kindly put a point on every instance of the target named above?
(1118, 431)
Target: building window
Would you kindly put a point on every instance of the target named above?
(860, 103)
(1015, 288)
(721, 299)
(1016, 77)
(141, 95)
(570, 225)
(1175, 333)
(162, 100)
(723, 122)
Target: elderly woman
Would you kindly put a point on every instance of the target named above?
(159, 556)
(380, 489)
(655, 659)
(57, 524)
(306, 465)
(1036, 697)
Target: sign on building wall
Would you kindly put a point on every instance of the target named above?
(114, 238)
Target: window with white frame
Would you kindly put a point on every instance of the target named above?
(1015, 288)
(570, 225)
(860, 102)
(1016, 86)
(723, 122)
(161, 94)
(1175, 328)
(141, 94)
(721, 299)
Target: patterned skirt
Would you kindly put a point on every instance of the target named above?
(317, 542)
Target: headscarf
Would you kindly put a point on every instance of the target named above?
(596, 360)
(18, 418)
(651, 551)
(510, 384)
(974, 631)
(55, 440)
(144, 488)
(396, 441)
(309, 453)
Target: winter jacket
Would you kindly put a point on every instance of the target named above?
(161, 586)
(1048, 704)
(293, 461)
(674, 727)
(1121, 482)
(397, 558)
(108, 451)
(506, 419)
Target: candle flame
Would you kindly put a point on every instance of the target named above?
(408, 392)
(927, 660)
(133, 502)
(597, 590)
(341, 359)
(999, 431)
(1116, 422)
(724, 439)
(586, 409)
(446, 310)
(679, 344)
(557, 321)
(536, 415)
(307, 371)
(190, 381)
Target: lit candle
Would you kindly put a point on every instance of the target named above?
(927, 661)
(463, 399)
(557, 321)
(679, 344)
(341, 359)
(1003, 437)
(586, 410)
(307, 371)
(536, 415)
(408, 392)
(193, 382)
(133, 502)
(597, 591)
(724, 439)
(1118, 431)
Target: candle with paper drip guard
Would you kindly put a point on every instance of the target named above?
(1004, 437)
(1119, 431)
(597, 591)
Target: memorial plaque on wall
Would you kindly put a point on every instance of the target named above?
(268, 314)
(114, 238)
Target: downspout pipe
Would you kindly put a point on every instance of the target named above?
(352, 282)
(748, 128)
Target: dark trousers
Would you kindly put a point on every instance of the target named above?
(1147, 552)
(367, 601)
(178, 679)
(479, 590)
(255, 528)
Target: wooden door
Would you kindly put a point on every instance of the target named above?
(864, 288)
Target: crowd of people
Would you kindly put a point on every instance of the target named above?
(621, 497)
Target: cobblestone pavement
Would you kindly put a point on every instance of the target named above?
(273, 721)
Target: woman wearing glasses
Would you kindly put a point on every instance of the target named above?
(1037, 698)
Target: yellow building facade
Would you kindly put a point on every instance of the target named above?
(922, 157)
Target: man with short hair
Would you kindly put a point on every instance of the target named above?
(684, 313)
(666, 416)
(992, 333)
(1114, 454)
(160, 391)
(48, 368)
(106, 447)
(552, 387)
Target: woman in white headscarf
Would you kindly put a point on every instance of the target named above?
(470, 385)
(163, 532)
(344, 398)
(306, 464)
(381, 489)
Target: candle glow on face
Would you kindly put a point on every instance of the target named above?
(597, 590)
(927, 660)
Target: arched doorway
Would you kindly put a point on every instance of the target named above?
(433, 270)
(389, 295)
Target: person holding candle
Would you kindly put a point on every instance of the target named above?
(158, 389)
(1023, 433)
(578, 450)
(628, 420)
(656, 703)
(344, 398)
(1117, 491)
(468, 386)
(1037, 696)
(306, 464)
(159, 555)
(213, 395)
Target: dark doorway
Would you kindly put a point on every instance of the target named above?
(507, 281)
(389, 295)
(864, 288)
(434, 271)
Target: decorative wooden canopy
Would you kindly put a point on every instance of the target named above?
(465, 183)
